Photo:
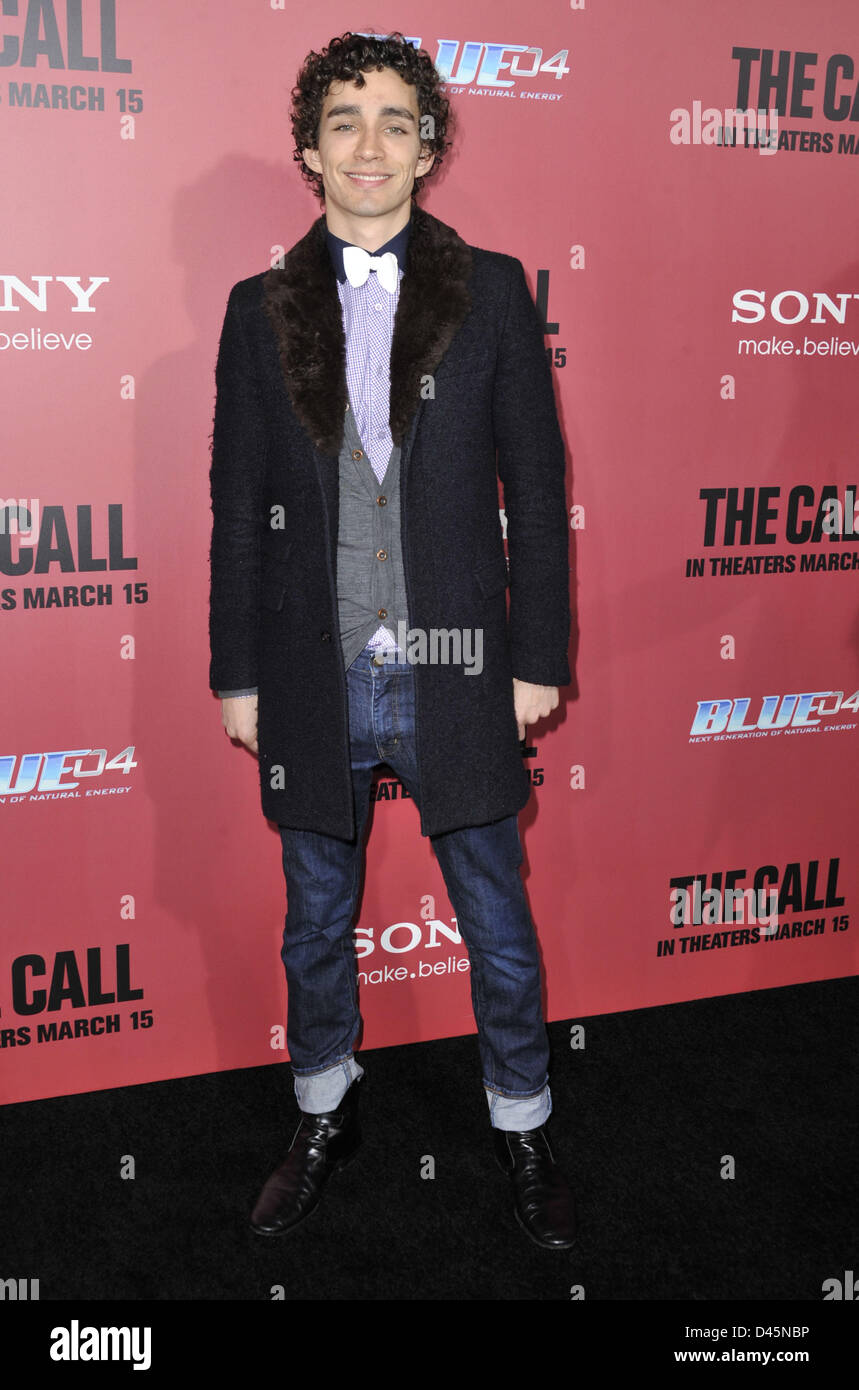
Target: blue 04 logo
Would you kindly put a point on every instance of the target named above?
(481, 62)
(777, 711)
(44, 771)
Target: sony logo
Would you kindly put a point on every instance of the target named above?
(13, 289)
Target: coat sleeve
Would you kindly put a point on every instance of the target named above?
(236, 483)
(532, 469)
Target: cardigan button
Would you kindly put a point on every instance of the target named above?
(382, 501)
(383, 612)
(357, 454)
(381, 554)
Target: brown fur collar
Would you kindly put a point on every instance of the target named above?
(303, 306)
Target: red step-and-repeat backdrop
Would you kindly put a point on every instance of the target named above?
(699, 283)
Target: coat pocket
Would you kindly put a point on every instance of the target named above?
(492, 577)
(274, 578)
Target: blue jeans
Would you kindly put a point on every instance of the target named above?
(481, 873)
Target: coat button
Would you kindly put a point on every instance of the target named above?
(357, 453)
(326, 636)
(383, 612)
(381, 554)
(382, 501)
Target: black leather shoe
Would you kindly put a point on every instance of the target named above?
(544, 1204)
(322, 1144)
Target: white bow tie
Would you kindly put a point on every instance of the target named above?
(358, 263)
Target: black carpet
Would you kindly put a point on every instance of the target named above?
(646, 1117)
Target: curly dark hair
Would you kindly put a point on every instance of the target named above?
(345, 59)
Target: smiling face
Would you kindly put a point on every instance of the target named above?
(369, 156)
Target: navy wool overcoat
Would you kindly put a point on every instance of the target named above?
(471, 400)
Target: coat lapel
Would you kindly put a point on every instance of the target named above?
(303, 307)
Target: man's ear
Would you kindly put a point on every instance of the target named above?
(424, 164)
(312, 160)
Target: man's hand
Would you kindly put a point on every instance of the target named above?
(239, 715)
(531, 702)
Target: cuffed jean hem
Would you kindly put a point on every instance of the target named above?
(324, 1090)
(519, 1112)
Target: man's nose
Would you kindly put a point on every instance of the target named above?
(370, 145)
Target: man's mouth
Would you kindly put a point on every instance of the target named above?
(368, 179)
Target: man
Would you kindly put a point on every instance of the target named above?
(364, 388)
